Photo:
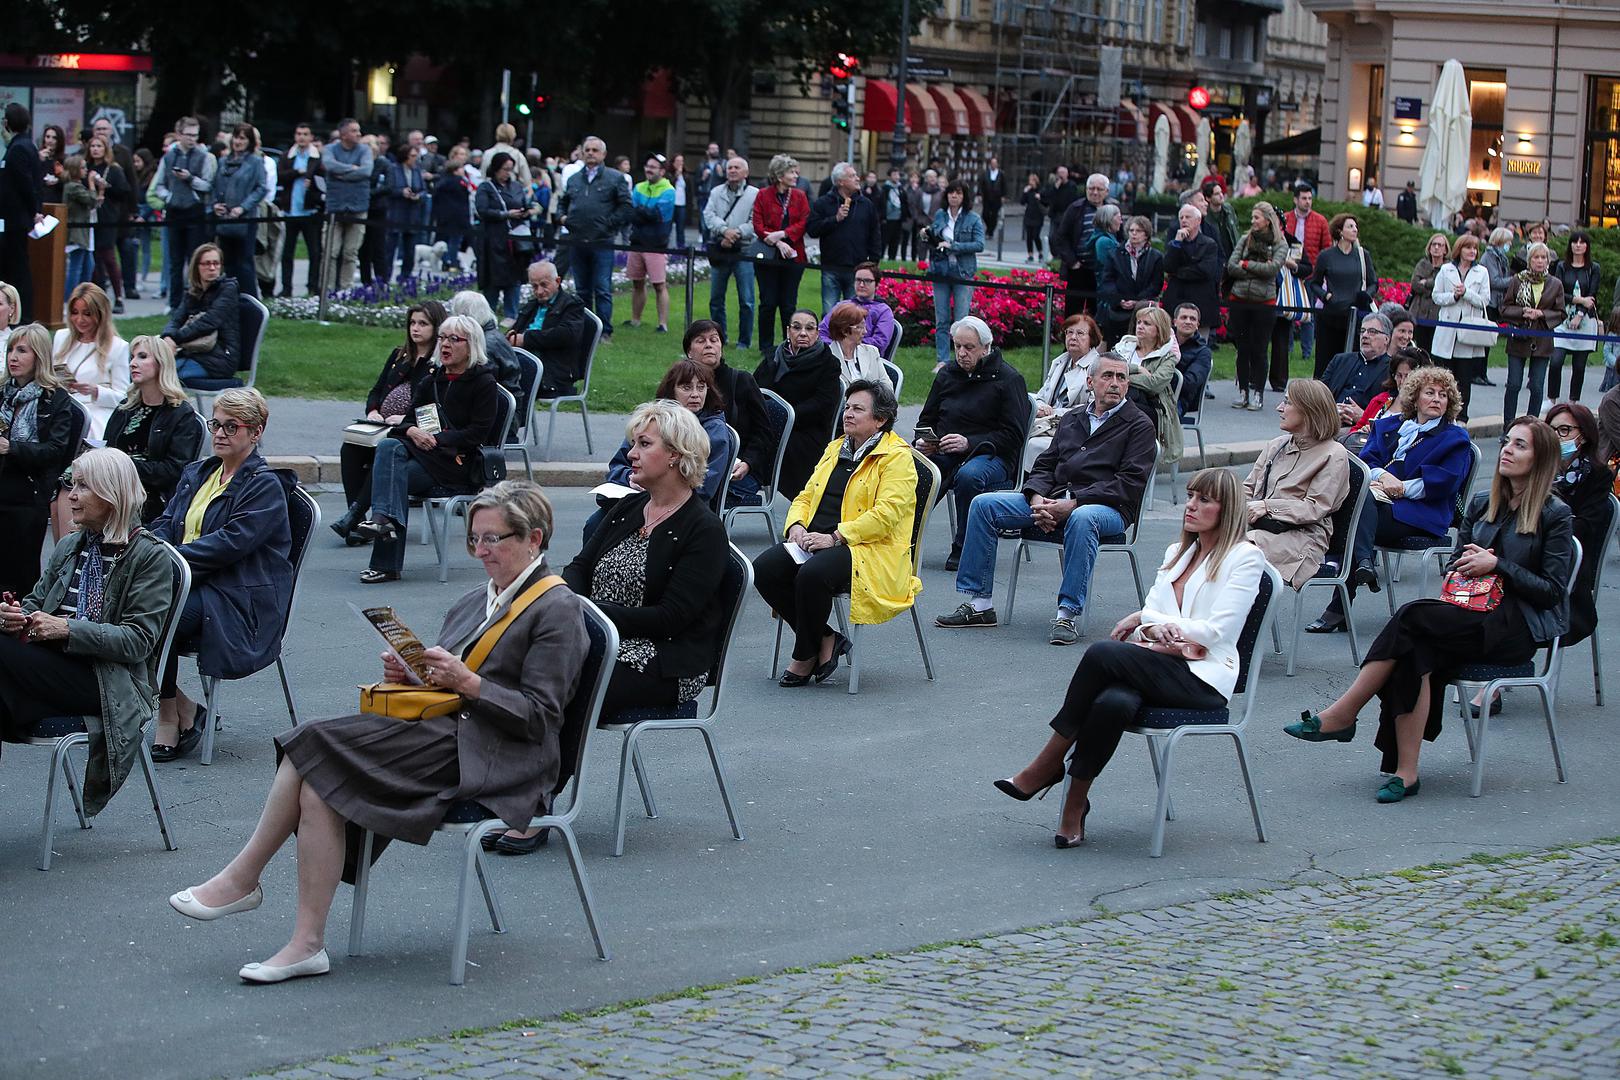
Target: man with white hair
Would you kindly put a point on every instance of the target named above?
(1192, 267)
(1074, 242)
(972, 426)
(850, 229)
(595, 204)
(728, 229)
(551, 325)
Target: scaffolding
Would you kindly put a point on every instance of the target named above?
(1048, 59)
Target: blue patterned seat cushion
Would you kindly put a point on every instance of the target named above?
(756, 499)
(54, 727)
(1154, 717)
(1487, 672)
(468, 812)
(687, 711)
(1417, 543)
(1054, 537)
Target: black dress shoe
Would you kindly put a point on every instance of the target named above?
(375, 530)
(841, 646)
(189, 738)
(1327, 624)
(953, 561)
(344, 526)
(791, 679)
(518, 845)
(1365, 577)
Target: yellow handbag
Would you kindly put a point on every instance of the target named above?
(402, 701)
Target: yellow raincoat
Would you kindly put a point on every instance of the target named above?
(875, 520)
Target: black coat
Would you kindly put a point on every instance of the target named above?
(172, 442)
(1535, 567)
(52, 449)
(1193, 272)
(399, 368)
(1109, 468)
(1588, 499)
(680, 608)
(467, 410)
(811, 386)
(845, 244)
(745, 411)
(989, 406)
(1118, 283)
(498, 255)
(218, 308)
(22, 192)
(562, 340)
(287, 175)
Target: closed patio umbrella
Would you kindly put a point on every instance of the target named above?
(1161, 154)
(1206, 162)
(1443, 175)
(1241, 142)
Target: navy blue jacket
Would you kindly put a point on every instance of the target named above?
(848, 243)
(240, 564)
(1353, 375)
(1441, 457)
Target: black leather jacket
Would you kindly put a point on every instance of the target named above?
(1535, 567)
(51, 450)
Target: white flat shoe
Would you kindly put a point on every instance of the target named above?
(319, 964)
(184, 903)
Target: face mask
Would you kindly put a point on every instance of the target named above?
(1568, 448)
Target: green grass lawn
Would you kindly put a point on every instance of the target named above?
(341, 361)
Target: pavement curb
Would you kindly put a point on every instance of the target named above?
(321, 473)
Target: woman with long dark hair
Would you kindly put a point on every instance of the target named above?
(1580, 275)
(240, 187)
(1583, 481)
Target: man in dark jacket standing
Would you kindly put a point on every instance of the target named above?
(1192, 267)
(850, 230)
(21, 198)
(1086, 485)
(992, 193)
(299, 198)
(595, 205)
(1073, 242)
(978, 409)
(1406, 204)
(551, 325)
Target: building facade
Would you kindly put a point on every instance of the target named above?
(1544, 90)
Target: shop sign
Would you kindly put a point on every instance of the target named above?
(1523, 166)
(919, 71)
(1288, 106)
(1408, 108)
(77, 62)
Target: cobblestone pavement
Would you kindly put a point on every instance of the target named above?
(1498, 966)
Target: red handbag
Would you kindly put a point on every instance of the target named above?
(1472, 593)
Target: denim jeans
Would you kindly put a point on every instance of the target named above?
(975, 476)
(78, 270)
(187, 368)
(187, 229)
(395, 477)
(1515, 379)
(504, 301)
(593, 281)
(951, 302)
(721, 272)
(1005, 510)
(836, 285)
(237, 252)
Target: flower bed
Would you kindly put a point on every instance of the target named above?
(1015, 316)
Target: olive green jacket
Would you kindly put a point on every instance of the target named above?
(138, 595)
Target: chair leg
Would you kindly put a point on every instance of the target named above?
(1597, 668)
(1389, 583)
(73, 785)
(1175, 473)
(1136, 577)
(440, 527)
(583, 886)
(1276, 639)
(720, 778)
(625, 752)
(1012, 583)
(1350, 624)
(157, 800)
(1248, 784)
(362, 885)
(1549, 706)
(551, 429)
(211, 707)
(642, 782)
(286, 691)
(491, 901)
(528, 466)
(1162, 810)
(47, 830)
(776, 653)
(585, 418)
(854, 659)
(922, 643)
(458, 946)
(1466, 720)
(1299, 618)
(1153, 758)
(1480, 731)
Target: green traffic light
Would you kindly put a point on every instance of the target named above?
(523, 108)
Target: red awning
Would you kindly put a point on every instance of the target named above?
(922, 115)
(953, 113)
(981, 117)
(1158, 109)
(658, 96)
(1132, 124)
(1189, 122)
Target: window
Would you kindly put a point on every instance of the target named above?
(1487, 99)
(965, 9)
(1600, 192)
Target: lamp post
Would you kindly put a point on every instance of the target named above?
(897, 152)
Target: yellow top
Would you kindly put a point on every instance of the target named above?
(212, 488)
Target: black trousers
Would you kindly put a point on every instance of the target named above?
(1577, 373)
(1282, 343)
(891, 234)
(1032, 237)
(1111, 684)
(37, 681)
(1250, 328)
(354, 466)
(1463, 370)
(778, 296)
(186, 632)
(1375, 529)
(803, 594)
(14, 265)
(991, 215)
(632, 689)
(1331, 331)
(1080, 294)
(309, 227)
(22, 524)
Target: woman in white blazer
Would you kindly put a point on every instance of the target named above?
(1462, 292)
(1179, 651)
(94, 357)
(846, 327)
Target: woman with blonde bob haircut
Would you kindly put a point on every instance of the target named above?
(1179, 651)
(84, 641)
(155, 424)
(1298, 483)
(655, 563)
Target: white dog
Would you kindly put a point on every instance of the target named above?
(429, 257)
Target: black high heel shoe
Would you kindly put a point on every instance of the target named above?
(841, 647)
(1064, 842)
(1012, 790)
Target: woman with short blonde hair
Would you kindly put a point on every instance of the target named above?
(1298, 483)
(682, 435)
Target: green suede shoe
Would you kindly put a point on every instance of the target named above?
(1309, 728)
(1395, 789)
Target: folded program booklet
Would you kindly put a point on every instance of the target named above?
(402, 641)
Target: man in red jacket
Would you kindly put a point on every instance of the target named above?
(1308, 228)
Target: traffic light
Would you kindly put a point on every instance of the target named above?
(841, 113)
(842, 69)
(1198, 98)
(844, 65)
(539, 104)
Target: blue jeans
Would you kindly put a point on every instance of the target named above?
(452, 248)
(187, 368)
(78, 270)
(187, 229)
(504, 301)
(836, 285)
(1006, 510)
(593, 280)
(395, 477)
(975, 476)
(721, 272)
(951, 302)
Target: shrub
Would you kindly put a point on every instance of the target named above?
(1015, 316)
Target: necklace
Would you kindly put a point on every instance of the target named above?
(650, 522)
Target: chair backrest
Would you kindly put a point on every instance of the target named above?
(928, 481)
(205, 448)
(303, 518)
(79, 424)
(892, 370)
(1147, 493)
(505, 406)
(717, 501)
(1460, 510)
(1555, 646)
(529, 380)
(254, 320)
(781, 417)
(1029, 433)
(590, 354)
(583, 710)
(171, 621)
(1348, 516)
(1175, 390)
(894, 347)
(735, 586)
(1260, 614)
(1608, 541)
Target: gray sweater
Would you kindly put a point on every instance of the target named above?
(348, 178)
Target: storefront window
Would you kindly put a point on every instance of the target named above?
(1600, 203)
(1487, 99)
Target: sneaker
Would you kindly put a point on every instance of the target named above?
(1063, 631)
(1256, 403)
(118, 307)
(1241, 401)
(964, 617)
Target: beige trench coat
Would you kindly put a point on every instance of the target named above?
(1300, 483)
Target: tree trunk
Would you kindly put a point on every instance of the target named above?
(730, 88)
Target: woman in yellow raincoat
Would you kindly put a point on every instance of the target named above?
(849, 531)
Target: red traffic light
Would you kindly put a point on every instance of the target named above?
(844, 65)
(1198, 97)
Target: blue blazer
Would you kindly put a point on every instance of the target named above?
(967, 243)
(239, 564)
(1441, 457)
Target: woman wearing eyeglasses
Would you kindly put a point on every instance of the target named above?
(228, 518)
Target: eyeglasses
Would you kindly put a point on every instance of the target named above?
(1372, 331)
(486, 540)
(229, 427)
(454, 339)
(1563, 431)
(865, 280)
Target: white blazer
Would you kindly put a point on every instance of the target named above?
(1475, 299)
(1212, 611)
(867, 363)
(82, 367)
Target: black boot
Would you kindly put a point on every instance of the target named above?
(344, 526)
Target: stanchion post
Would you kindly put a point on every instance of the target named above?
(322, 286)
(1046, 333)
(691, 285)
